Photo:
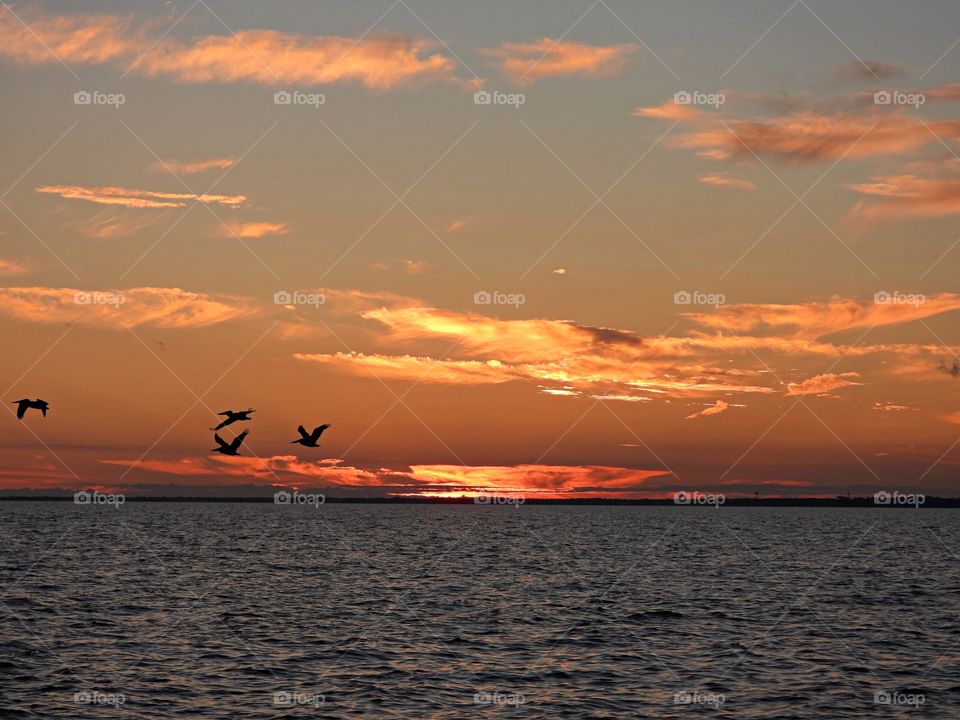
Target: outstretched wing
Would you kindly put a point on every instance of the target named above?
(220, 442)
(21, 409)
(318, 431)
(303, 432)
(226, 412)
(238, 440)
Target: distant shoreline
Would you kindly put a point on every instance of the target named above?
(853, 502)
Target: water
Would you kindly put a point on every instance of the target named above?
(209, 610)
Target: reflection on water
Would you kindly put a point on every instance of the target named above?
(260, 611)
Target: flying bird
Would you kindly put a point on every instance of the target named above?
(231, 448)
(233, 417)
(310, 439)
(24, 405)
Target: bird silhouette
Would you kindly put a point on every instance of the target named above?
(24, 405)
(231, 448)
(310, 439)
(233, 417)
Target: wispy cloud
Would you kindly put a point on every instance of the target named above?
(117, 309)
(268, 470)
(408, 367)
(248, 230)
(821, 384)
(558, 357)
(801, 137)
(543, 480)
(266, 57)
(192, 167)
(457, 225)
(133, 198)
(111, 223)
(526, 63)
(11, 268)
(906, 197)
(728, 181)
(718, 407)
(817, 319)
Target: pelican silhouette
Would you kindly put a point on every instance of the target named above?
(231, 448)
(24, 405)
(310, 439)
(233, 417)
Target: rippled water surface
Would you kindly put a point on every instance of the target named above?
(210, 610)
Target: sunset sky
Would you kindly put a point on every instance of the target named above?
(753, 291)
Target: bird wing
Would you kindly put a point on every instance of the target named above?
(303, 432)
(21, 409)
(226, 412)
(238, 440)
(220, 441)
(318, 431)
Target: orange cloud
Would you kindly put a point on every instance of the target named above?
(562, 358)
(111, 224)
(265, 57)
(247, 230)
(457, 225)
(134, 307)
(715, 409)
(804, 136)
(822, 384)
(81, 39)
(132, 198)
(192, 167)
(671, 110)
(559, 357)
(722, 180)
(9, 268)
(425, 480)
(520, 340)
(270, 469)
(361, 301)
(408, 367)
(526, 63)
(532, 480)
(889, 407)
(907, 197)
(818, 319)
